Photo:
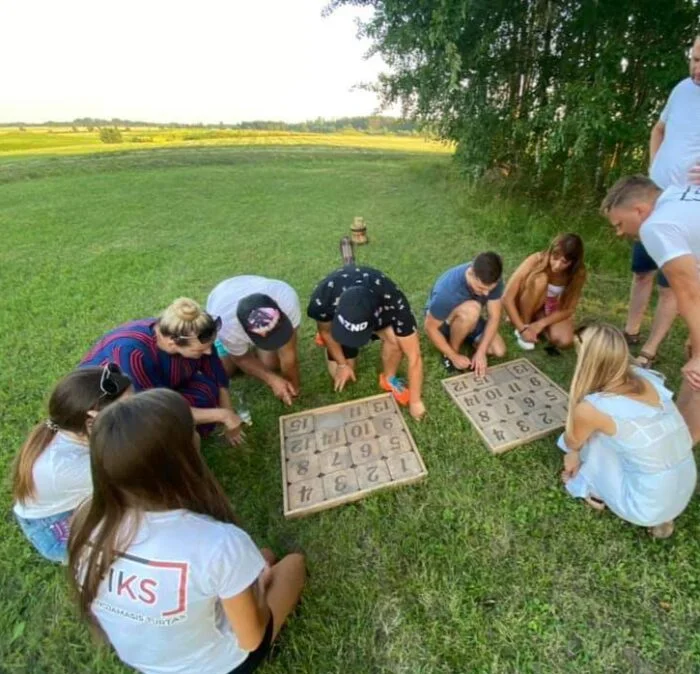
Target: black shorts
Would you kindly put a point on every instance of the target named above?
(643, 263)
(258, 656)
(472, 338)
(349, 352)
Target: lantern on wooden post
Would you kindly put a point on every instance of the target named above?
(358, 230)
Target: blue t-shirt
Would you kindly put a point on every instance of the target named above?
(451, 290)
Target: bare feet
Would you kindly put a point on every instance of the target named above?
(661, 531)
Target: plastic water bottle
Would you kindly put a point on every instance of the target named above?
(242, 408)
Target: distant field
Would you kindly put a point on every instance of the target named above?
(63, 140)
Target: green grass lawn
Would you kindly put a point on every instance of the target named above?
(486, 566)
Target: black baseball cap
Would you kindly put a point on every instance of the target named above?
(268, 327)
(353, 323)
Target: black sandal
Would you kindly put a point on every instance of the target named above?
(632, 340)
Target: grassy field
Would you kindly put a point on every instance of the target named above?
(485, 567)
(64, 141)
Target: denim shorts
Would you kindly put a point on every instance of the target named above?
(643, 263)
(49, 535)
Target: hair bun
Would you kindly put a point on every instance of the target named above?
(185, 309)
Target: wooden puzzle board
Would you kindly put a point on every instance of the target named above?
(341, 453)
(513, 404)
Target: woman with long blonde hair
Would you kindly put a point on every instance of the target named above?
(627, 446)
(51, 474)
(175, 351)
(542, 293)
(159, 564)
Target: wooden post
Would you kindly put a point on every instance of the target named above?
(358, 230)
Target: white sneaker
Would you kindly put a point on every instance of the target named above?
(525, 346)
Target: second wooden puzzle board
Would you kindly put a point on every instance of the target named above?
(515, 403)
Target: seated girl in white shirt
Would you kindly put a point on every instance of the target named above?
(52, 470)
(542, 293)
(159, 563)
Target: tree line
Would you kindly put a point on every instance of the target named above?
(557, 95)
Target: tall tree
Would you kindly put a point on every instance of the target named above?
(560, 93)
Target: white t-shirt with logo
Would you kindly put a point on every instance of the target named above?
(680, 149)
(673, 227)
(159, 603)
(62, 479)
(223, 301)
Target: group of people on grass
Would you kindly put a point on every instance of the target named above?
(112, 482)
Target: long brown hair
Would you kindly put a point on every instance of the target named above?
(71, 400)
(570, 247)
(603, 364)
(143, 459)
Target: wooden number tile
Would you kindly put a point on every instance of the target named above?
(403, 465)
(534, 382)
(360, 430)
(470, 401)
(521, 427)
(329, 420)
(484, 416)
(560, 412)
(302, 468)
(507, 409)
(306, 493)
(499, 434)
(482, 381)
(379, 406)
(364, 451)
(355, 412)
(386, 424)
(394, 444)
(527, 402)
(551, 396)
(334, 459)
(492, 395)
(460, 385)
(372, 474)
(520, 369)
(298, 426)
(544, 418)
(514, 387)
(340, 483)
(299, 446)
(331, 437)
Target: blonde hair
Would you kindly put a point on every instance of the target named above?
(570, 246)
(184, 318)
(629, 190)
(603, 365)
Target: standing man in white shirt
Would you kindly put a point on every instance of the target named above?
(674, 154)
(258, 335)
(668, 224)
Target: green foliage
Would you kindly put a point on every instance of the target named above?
(559, 93)
(487, 566)
(110, 134)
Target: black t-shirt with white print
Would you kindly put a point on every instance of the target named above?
(392, 307)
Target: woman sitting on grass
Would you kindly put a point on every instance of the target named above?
(52, 470)
(175, 351)
(160, 565)
(627, 445)
(542, 293)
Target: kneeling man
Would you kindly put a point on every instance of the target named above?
(454, 313)
(258, 335)
(356, 304)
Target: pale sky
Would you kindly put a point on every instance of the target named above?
(201, 61)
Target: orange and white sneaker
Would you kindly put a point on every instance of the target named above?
(396, 387)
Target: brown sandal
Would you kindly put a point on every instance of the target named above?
(631, 339)
(595, 503)
(645, 360)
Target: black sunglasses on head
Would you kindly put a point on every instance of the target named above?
(206, 335)
(108, 385)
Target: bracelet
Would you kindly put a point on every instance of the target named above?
(525, 327)
(342, 365)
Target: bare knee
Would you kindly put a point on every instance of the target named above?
(467, 312)
(562, 341)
